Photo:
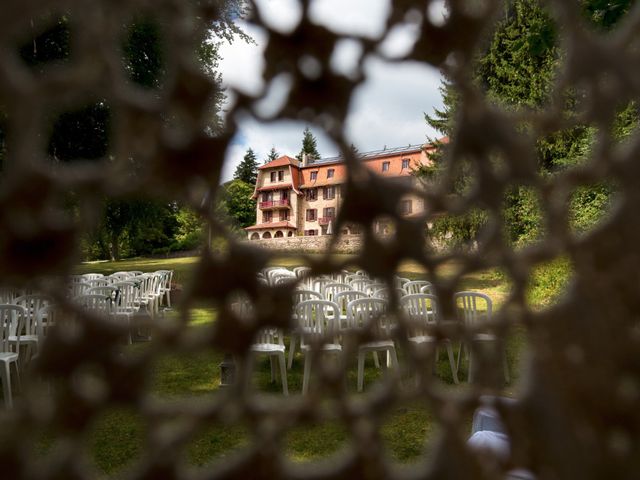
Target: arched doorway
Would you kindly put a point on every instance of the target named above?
(279, 234)
(255, 236)
(266, 235)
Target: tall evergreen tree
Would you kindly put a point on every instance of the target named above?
(309, 146)
(247, 169)
(273, 154)
(517, 71)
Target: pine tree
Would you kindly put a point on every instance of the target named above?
(309, 146)
(247, 169)
(273, 154)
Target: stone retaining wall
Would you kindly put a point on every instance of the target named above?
(311, 244)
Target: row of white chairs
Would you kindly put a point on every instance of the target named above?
(318, 316)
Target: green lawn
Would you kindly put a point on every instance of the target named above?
(118, 437)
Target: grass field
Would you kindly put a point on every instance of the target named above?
(117, 438)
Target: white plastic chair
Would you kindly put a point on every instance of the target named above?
(369, 314)
(270, 342)
(414, 286)
(28, 336)
(318, 323)
(165, 286)
(342, 299)
(476, 308)
(422, 311)
(298, 297)
(11, 322)
(331, 289)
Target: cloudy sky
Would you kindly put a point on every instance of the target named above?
(387, 109)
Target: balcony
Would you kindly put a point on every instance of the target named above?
(325, 220)
(271, 204)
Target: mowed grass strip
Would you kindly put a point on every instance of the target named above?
(407, 432)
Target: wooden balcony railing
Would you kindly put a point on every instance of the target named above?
(274, 204)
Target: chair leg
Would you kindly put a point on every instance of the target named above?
(18, 377)
(360, 371)
(391, 354)
(452, 364)
(376, 362)
(272, 363)
(6, 386)
(283, 373)
(307, 372)
(292, 350)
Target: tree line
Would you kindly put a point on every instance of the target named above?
(516, 71)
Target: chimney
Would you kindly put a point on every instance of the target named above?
(305, 159)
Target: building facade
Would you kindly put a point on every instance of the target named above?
(303, 198)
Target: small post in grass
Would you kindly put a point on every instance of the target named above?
(227, 371)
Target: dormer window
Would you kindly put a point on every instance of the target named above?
(314, 175)
(385, 166)
(330, 173)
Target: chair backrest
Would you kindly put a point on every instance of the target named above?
(318, 318)
(301, 271)
(428, 289)
(91, 276)
(473, 306)
(110, 291)
(343, 298)
(11, 324)
(272, 273)
(78, 288)
(401, 281)
(371, 288)
(165, 281)
(301, 295)
(98, 282)
(361, 284)
(269, 336)
(421, 310)
(128, 296)
(96, 303)
(415, 286)
(31, 305)
(367, 313)
(46, 318)
(318, 284)
(282, 278)
(331, 289)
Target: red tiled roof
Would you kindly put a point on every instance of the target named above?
(280, 162)
(270, 225)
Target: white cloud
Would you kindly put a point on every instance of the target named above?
(365, 18)
(387, 109)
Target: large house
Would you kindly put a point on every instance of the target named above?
(303, 198)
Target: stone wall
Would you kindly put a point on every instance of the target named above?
(312, 244)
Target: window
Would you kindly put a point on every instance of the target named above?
(267, 217)
(312, 194)
(280, 175)
(273, 176)
(314, 175)
(284, 195)
(329, 212)
(267, 197)
(330, 173)
(405, 207)
(310, 232)
(311, 214)
(329, 193)
(405, 163)
(284, 215)
(385, 166)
